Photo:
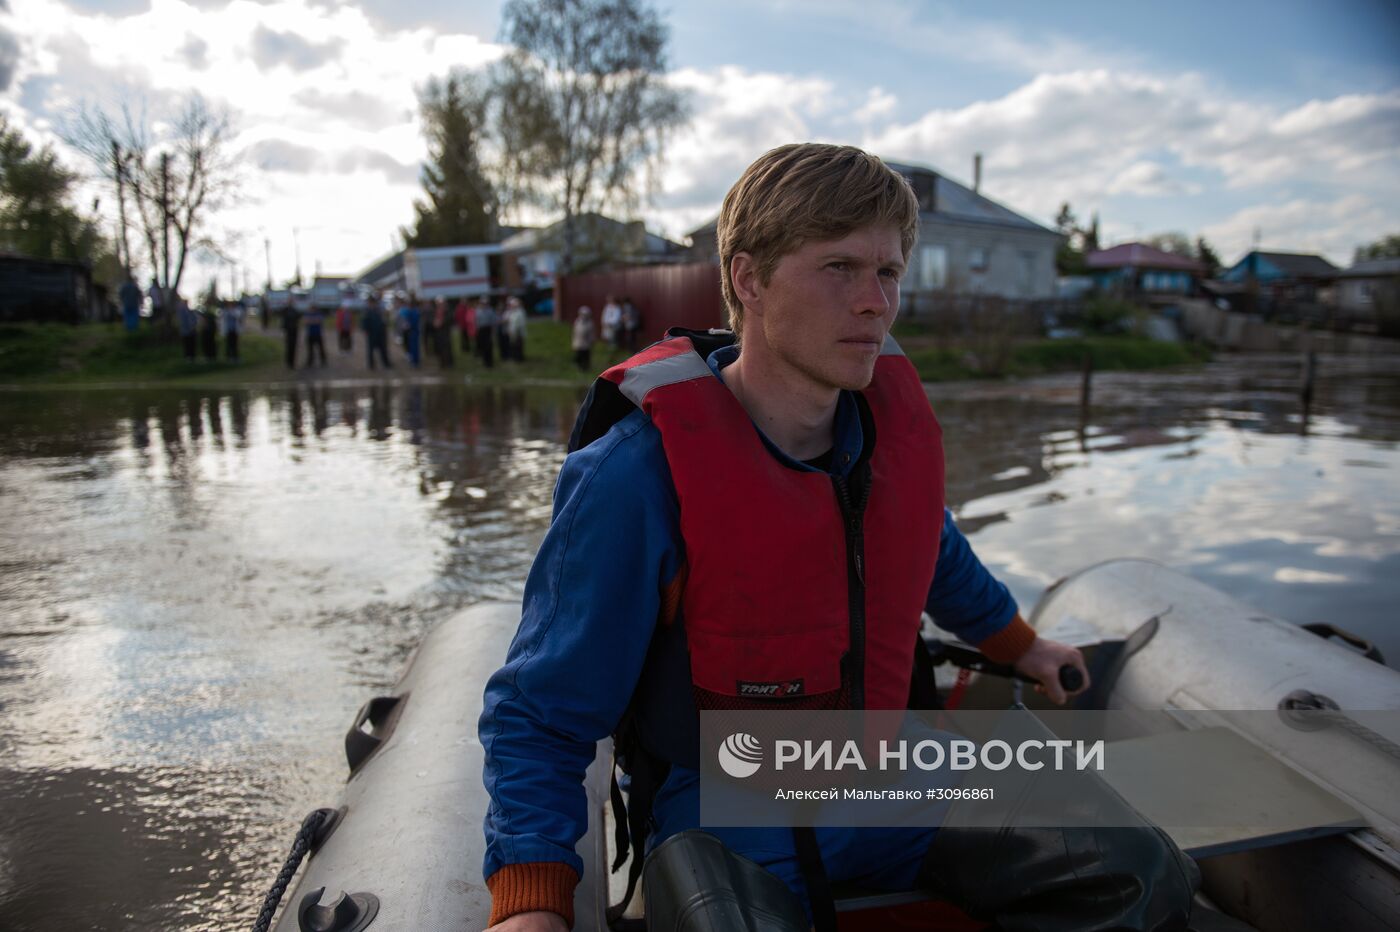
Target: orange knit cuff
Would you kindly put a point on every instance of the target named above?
(521, 888)
(1010, 643)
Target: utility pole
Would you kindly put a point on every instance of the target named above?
(267, 252)
(296, 244)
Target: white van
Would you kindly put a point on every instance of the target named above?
(452, 271)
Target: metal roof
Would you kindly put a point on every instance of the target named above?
(1372, 268)
(954, 201)
(389, 265)
(1298, 265)
(951, 201)
(1139, 256)
(587, 226)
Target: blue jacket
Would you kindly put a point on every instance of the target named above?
(591, 601)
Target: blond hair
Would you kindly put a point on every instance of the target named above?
(801, 192)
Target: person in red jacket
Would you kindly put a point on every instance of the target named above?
(715, 501)
(345, 327)
(465, 318)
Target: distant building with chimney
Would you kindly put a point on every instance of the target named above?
(968, 243)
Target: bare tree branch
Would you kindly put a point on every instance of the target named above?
(202, 178)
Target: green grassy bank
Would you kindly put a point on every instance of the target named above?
(60, 354)
(947, 361)
(92, 353)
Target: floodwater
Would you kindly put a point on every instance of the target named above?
(200, 587)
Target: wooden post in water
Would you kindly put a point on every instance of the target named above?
(1086, 391)
(1305, 391)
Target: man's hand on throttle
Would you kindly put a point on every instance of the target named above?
(1043, 661)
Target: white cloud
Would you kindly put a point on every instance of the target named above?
(738, 115)
(878, 105)
(1148, 179)
(1330, 228)
(323, 98)
(362, 159)
(9, 56)
(196, 52)
(272, 48)
(279, 155)
(1082, 135)
(1056, 138)
(331, 127)
(1355, 135)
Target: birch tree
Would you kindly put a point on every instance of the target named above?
(580, 107)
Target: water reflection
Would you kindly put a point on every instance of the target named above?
(1206, 472)
(98, 849)
(200, 587)
(204, 584)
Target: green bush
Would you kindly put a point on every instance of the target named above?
(1038, 357)
(1107, 315)
(1121, 353)
(941, 365)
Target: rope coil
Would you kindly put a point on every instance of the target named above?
(308, 837)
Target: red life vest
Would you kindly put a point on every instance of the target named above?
(792, 593)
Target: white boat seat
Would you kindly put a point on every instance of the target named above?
(1216, 793)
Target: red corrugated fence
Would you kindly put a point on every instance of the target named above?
(667, 295)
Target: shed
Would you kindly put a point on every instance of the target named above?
(46, 290)
(1142, 271)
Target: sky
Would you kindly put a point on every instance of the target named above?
(1279, 119)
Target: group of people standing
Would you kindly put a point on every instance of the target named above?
(481, 328)
(200, 329)
(292, 321)
(622, 323)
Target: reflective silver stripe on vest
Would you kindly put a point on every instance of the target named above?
(890, 347)
(637, 381)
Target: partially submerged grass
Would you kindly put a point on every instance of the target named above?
(94, 353)
(951, 359)
(1107, 353)
(105, 353)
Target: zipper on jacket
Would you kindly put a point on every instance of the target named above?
(852, 514)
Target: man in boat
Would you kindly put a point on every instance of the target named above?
(746, 511)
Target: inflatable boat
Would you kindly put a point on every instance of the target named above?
(401, 849)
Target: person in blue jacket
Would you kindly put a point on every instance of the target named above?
(410, 322)
(812, 312)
